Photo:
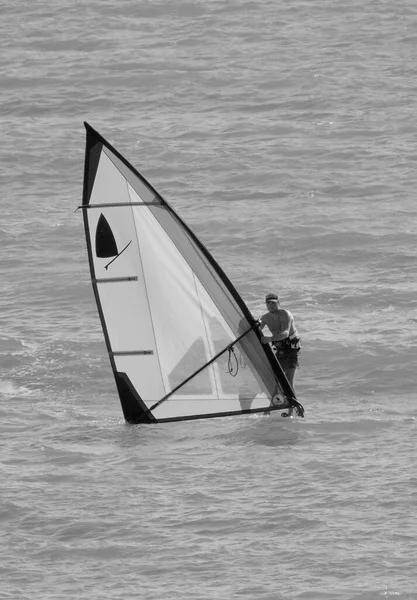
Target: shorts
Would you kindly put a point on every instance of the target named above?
(287, 352)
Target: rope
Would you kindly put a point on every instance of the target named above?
(232, 358)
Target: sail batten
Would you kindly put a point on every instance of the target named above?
(115, 279)
(170, 314)
(120, 205)
(132, 353)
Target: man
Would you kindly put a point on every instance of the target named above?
(284, 340)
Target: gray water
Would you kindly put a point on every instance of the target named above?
(284, 135)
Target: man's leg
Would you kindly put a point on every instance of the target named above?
(290, 373)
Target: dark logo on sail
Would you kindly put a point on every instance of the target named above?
(105, 243)
(106, 246)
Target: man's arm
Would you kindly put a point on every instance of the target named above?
(265, 339)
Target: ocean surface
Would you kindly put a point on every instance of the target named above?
(284, 134)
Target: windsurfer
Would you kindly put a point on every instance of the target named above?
(284, 339)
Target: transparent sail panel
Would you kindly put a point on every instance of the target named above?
(190, 363)
(231, 378)
(228, 376)
(219, 293)
(225, 386)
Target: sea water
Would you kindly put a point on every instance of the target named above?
(284, 135)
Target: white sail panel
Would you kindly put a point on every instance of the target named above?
(109, 187)
(120, 284)
(127, 332)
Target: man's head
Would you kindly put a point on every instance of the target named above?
(272, 302)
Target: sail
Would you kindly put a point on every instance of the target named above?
(182, 344)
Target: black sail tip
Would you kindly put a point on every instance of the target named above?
(88, 127)
(92, 134)
(134, 409)
(92, 157)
